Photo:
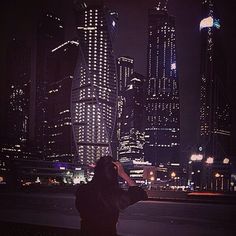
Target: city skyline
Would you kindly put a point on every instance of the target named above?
(187, 130)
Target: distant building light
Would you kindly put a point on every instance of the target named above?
(196, 157)
(175, 164)
(173, 174)
(217, 175)
(226, 161)
(210, 160)
(173, 66)
(62, 168)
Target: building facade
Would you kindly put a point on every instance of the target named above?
(162, 108)
(61, 65)
(49, 34)
(132, 137)
(94, 88)
(125, 68)
(18, 72)
(214, 103)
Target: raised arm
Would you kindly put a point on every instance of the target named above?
(123, 174)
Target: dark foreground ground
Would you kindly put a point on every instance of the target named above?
(49, 214)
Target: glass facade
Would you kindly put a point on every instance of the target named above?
(62, 61)
(162, 128)
(94, 88)
(214, 103)
(131, 130)
(50, 34)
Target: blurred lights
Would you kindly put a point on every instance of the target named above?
(210, 160)
(196, 157)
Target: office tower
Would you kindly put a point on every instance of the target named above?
(125, 68)
(132, 132)
(61, 66)
(18, 92)
(94, 92)
(49, 34)
(214, 103)
(162, 89)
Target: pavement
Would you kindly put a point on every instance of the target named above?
(149, 218)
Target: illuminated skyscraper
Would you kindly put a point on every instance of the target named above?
(162, 126)
(132, 131)
(125, 68)
(61, 66)
(214, 103)
(94, 89)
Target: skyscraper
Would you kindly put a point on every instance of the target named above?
(18, 73)
(94, 92)
(61, 66)
(49, 34)
(132, 132)
(125, 68)
(162, 128)
(214, 103)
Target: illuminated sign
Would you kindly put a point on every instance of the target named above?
(209, 22)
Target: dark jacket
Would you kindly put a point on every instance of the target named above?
(99, 210)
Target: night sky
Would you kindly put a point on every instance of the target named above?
(18, 19)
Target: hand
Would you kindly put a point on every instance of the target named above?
(119, 168)
(122, 173)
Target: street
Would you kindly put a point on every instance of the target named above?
(148, 218)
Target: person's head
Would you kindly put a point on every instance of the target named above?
(105, 172)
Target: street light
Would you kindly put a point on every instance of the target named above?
(226, 161)
(196, 157)
(173, 174)
(217, 175)
(210, 160)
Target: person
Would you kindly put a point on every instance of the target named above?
(100, 201)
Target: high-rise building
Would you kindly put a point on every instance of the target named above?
(50, 34)
(94, 92)
(125, 68)
(214, 103)
(61, 66)
(132, 131)
(18, 92)
(162, 126)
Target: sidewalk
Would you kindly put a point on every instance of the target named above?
(23, 229)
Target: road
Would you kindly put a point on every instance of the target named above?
(150, 218)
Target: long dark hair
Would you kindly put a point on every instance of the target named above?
(105, 173)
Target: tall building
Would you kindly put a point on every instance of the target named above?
(18, 93)
(162, 128)
(214, 103)
(132, 137)
(94, 92)
(61, 66)
(49, 34)
(125, 68)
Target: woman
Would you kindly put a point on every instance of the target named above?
(100, 201)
